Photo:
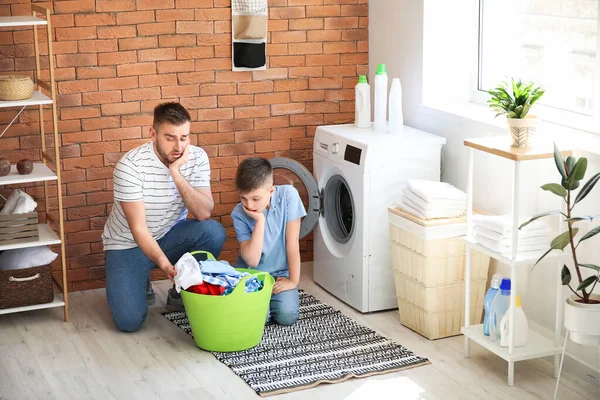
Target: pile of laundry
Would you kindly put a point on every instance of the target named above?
(431, 199)
(216, 278)
(495, 233)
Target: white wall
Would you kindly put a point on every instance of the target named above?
(396, 38)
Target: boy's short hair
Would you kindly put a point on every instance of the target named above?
(253, 173)
(173, 113)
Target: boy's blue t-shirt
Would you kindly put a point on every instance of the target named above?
(286, 206)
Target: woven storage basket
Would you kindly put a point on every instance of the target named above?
(25, 287)
(15, 87)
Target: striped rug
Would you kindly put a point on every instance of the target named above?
(324, 346)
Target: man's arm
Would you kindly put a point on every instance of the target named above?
(136, 219)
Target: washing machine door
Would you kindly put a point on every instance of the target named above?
(291, 172)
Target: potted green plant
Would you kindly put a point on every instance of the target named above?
(582, 309)
(515, 102)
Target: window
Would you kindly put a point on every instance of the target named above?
(552, 42)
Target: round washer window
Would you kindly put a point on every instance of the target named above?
(339, 208)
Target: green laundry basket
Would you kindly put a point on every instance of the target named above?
(233, 322)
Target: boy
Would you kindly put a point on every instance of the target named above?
(267, 225)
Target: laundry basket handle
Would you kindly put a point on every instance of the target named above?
(27, 279)
(237, 291)
(209, 255)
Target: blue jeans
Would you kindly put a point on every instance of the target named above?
(284, 307)
(128, 271)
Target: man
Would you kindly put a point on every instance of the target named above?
(155, 185)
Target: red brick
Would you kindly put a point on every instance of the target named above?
(272, 122)
(339, 47)
(195, 77)
(194, 3)
(158, 28)
(339, 118)
(208, 39)
(339, 71)
(305, 143)
(68, 126)
(68, 100)
(280, 49)
(325, 83)
(96, 72)
(138, 43)
(299, 72)
(270, 74)
(222, 26)
(339, 95)
(81, 137)
(76, 60)
(154, 4)
(341, 23)
(306, 24)
(97, 46)
(141, 94)
(89, 149)
(173, 15)
(278, 25)
(79, 112)
(236, 149)
(291, 85)
(252, 112)
(272, 145)
(322, 60)
(362, 46)
(158, 80)
(215, 138)
(188, 53)
(101, 97)
(253, 135)
(77, 213)
(215, 114)
(99, 173)
(83, 162)
(288, 133)
(323, 107)
(135, 17)
(99, 123)
(137, 120)
(287, 61)
(203, 127)
(236, 100)
(65, 7)
(165, 67)
(355, 34)
(194, 27)
(236, 125)
(121, 133)
(192, 103)
(355, 11)
(288, 37)
(305, 2)
(285, 109)
(180, 91)
(346, 106)
(213, 14)
(363, 22)
(112, 5)
(148, 68)
(213, 64)
(95, 19)
(325, 36)
(306, 119)
(286, 12)
(176, 40)
(161, 54)
(305, 48)
(117, 58)
(354, 59)
(307, 95)
(65, 47)
(119, 109)
(62, 20)
(271, 98)
(127, 145)
(76, 33)
(323, 11)
(255, 87)
(118, 83)
(233, 76)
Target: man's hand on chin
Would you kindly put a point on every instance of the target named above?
(176, 165)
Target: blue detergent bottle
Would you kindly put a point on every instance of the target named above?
(487, 302)
(499, 307)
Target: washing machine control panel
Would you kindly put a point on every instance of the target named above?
(335, 148)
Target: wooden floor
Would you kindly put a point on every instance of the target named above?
(42, 357)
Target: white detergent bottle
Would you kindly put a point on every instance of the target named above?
(396, 119)
(521, 326)
(362, 103)
(380, 109)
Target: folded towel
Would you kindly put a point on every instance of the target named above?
(18, 202)
(433, 191)
(503, 224)
(543, 233)
(438, 205)
(412, 209)
(498, 247)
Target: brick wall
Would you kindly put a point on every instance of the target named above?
(117, 59)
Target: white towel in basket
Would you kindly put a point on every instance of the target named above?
(439, 205)
(433, 191)
(503, 224)
(502, 248)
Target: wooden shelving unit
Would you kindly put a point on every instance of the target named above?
(48, 170)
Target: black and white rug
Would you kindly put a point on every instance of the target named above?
(324, 346)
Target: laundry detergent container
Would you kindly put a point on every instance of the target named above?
(232, 322)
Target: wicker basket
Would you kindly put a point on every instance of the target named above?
(15, 87)
(25, 287)
(19, 228)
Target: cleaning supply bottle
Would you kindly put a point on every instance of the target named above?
(362, 103)
(521, 326)
(487, 302)
(499, 308)
(395, 117)
(381, 84)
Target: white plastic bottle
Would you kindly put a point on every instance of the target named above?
(381, 84)
(521, 326)
(396, 119)
(362, 103)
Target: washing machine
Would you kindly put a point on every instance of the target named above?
(357, 174)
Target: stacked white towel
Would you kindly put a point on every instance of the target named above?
(18, 202)
(430, 199)
(495, 233)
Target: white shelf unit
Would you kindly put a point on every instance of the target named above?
(537, 345)
(42, 171)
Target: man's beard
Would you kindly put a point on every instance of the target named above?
(163, 155)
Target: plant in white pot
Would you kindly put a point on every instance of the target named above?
(515, 102)
(582, 309)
